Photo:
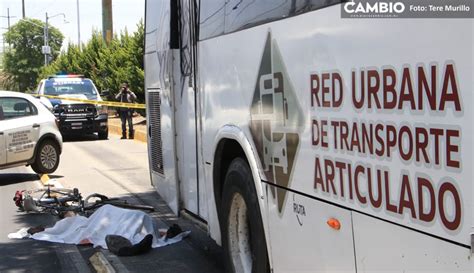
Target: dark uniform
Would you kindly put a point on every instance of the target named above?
(126, 95)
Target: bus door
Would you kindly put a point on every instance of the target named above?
(160, 101)
(192, 194)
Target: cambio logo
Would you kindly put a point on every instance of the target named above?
(373, 8)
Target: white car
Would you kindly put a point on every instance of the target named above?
(29, 134)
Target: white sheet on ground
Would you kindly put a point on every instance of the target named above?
(22, 233)
(131, 224)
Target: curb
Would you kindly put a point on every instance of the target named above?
(117, 130)
(114, 261)
(100, 263)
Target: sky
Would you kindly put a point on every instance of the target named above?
(126, 14)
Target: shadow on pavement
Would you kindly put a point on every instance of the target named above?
(54, 176)
(24, 255)
(33, 219)
(81, 138)
(15, 178)
(28, 256)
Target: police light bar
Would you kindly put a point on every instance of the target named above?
(65, 76)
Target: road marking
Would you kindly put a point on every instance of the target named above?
(47, 181)
(44, 179)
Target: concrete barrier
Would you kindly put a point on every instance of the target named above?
(140, 135)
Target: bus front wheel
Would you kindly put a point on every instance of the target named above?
(243, 237)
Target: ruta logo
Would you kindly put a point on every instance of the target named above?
(276, 121)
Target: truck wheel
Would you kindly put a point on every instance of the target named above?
(103, 134)
(243, 237)
(47, 157)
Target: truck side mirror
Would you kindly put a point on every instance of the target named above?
(105, 93)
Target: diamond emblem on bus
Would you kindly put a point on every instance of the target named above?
(276, 121)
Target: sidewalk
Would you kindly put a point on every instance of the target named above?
(139, 125)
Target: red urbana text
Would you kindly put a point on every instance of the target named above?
(415, 89)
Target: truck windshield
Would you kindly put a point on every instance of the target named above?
(63, 87)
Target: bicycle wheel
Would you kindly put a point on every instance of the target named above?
(58, 199)
(94, 201)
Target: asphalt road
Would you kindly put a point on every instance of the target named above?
(22, 255)
(112, 167)
(116, 168)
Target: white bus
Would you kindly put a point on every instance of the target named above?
(308, 142)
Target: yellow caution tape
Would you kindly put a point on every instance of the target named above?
(102, 102)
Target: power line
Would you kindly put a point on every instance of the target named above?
(43, 8)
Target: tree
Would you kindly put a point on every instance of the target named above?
(25, 60)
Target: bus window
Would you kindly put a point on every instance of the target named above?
(247, 13)
(211, 20)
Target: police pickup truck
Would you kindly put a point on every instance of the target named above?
(75, 117)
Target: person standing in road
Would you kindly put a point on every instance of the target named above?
(126, 95)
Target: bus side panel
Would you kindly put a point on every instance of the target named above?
(471, 151)
(234, 82)
(192, 192)
(425, 191)
(226, 82)
(391, 248)
(160, 119)
(303, 241)
(186, 148)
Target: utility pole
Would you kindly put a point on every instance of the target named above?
(23, 8)
(107, 24)
(78, 27)
(8, 18)
(46, 47)
(8, 15)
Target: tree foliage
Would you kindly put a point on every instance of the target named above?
(7, 81)
(107, 65)
(25, 59)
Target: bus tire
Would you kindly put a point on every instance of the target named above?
(243, 237)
